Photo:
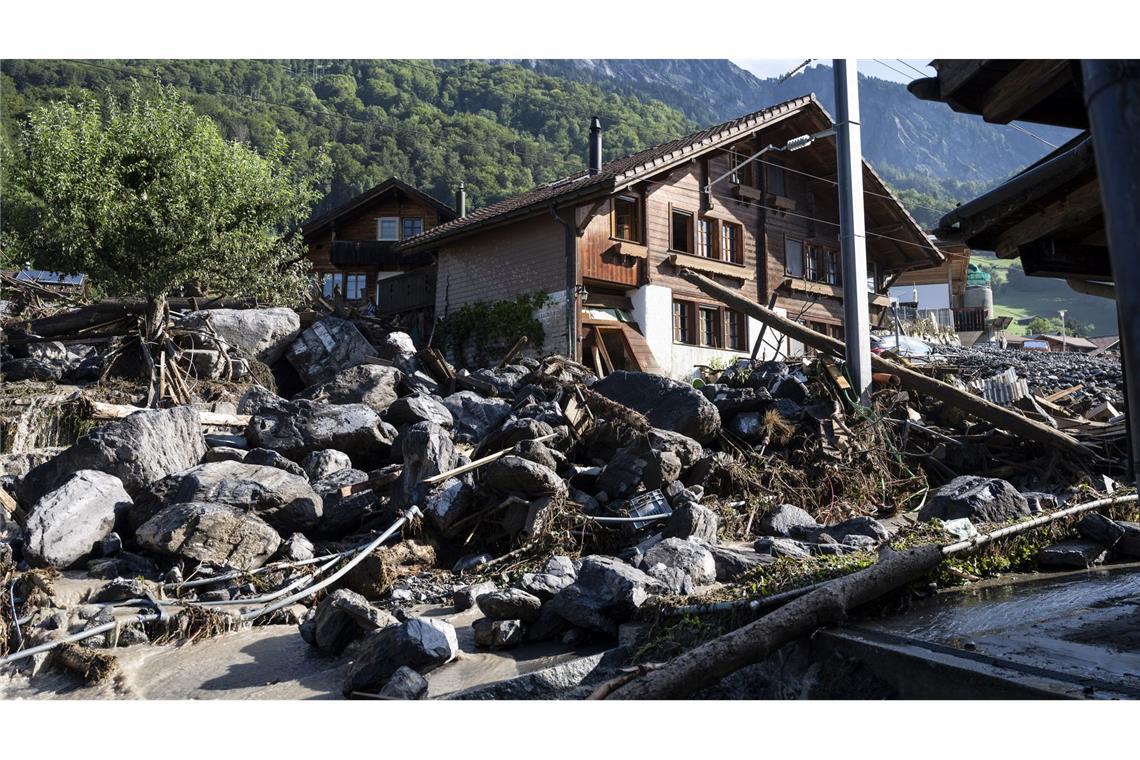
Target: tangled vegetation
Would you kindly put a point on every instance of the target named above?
(473, 331)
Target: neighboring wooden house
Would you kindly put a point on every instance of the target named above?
(355, 252)
(1068, 343)
(606, 244)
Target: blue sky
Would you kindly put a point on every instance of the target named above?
(881, 68)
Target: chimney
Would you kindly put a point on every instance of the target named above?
(596, 146)
(461, 200)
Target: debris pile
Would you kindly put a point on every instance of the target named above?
(317, 470)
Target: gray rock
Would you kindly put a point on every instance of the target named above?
(264, 334)
(980, 499)
(302, 427)
(686, 449)
(270, 458)
(399, 347)
(510, 604)
(475, 417)
(66, 523)
(787, 520)
(214, 533)
(1096, 527)
(427, 451)
(674, 578)
(120, 590)
(373, 385)
(625, 472)
(225, 454)
(320, 464)
(41, 370)
(550, 625)
(138, 450)
(733, 563)
(466, 597)
(420, 408)
(284, 500)
(544, 585)
(688, 556)
(1072, 554)
(343, 514)
(448, 503)
(497, 634)
(297, 548)
(539, 453)
(867, 527)
(666, 403)
(691, 520)
(1129, 543)
(257, 398)
(781, 547)
(562, 567)
(606, 593)
(516, 476)
(421, 644)
(1040, 502)
(405, 683)
(327, 347)
(344, 616)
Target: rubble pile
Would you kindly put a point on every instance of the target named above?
(328, 474)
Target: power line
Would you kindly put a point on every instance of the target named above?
(1020, 128)
(792, 73)
(918, 71)
(892, 68)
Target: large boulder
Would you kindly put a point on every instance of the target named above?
(666, 403)
(788, 521)
(215, 533)
(516, 476)
(300, 427)
(264, 334)
(605, 594)
(689, 557)
(419, 408)
(320, 464)
(475, 417)
(421, 644)
(373, 385)
(977, 498)
(510, 604)
(344, 616)
(138, 450)
(327, 347)
(405, 683)
(692, 520)
(67, 522)
(284, 500)
(428, 451)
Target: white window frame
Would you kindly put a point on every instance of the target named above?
(380, 227)
(353, 285)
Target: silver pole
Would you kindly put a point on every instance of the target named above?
(852, 240)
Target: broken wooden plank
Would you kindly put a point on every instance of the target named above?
(1053, 398)
(518, 346)
(103, 411)
(433, 480)
(372, 483)
(969, 403)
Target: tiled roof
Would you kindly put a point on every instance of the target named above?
(617, 172)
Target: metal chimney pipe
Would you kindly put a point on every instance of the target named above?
(596, 146)
(461, 200)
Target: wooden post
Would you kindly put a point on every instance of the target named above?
(968, 402)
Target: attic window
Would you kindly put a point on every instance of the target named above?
(388, 228)
(777, 184)
(627, 218)
(412, 226)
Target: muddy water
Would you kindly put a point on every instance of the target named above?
(272, 662)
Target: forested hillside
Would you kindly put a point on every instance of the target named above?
(499, 128)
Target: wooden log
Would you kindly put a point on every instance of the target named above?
(104, 411)
(518, 346)
(434, 479)
(707, 664)
(372, 483)
(912, 380)
(94, 666)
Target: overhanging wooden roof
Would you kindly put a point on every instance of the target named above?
(390, 185)
(952, 271)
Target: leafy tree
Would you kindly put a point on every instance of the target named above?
(144, 195)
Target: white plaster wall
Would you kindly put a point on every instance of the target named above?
(653, 310)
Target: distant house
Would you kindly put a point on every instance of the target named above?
(606, 244)
(354, 249)
(1068, 343)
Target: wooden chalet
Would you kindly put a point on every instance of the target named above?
(355, 251)
(606, 245)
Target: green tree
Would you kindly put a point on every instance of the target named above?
(144, 195)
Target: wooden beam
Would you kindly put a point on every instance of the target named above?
(1049, 257)
(712, 266)
(1028, 84)
(1077, 207)
(968, 402)
(103, 411)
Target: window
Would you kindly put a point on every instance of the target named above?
(733, 330)
(741, 172)
(777, 184)
(872, 276)
(812, 269)
(682, 233)
(354, 285)
(831, 267)
(627, 218)
(705, 240)
(837, 332)
(681, 316)
(709, 327)
(329, 281)
(730, 247)
(411, 226)
(794, 257)
(388, 228)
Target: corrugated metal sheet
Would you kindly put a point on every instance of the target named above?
(1004, 389)
(49, 278)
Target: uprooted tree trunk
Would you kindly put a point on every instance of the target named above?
(707, 664)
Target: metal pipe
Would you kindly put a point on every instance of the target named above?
(1112, 98)
(595, 146)
(852, 237)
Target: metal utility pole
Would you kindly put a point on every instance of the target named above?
(852, 240)
(1112, 98)
(1064, 334)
